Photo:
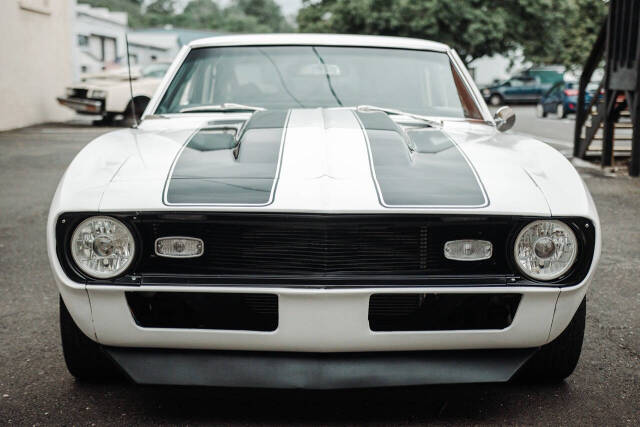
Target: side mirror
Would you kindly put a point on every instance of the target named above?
(505, 118)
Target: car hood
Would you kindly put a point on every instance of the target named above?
(107, 83)
(320, 160)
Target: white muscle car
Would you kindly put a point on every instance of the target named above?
(109, 94)
(321, 211)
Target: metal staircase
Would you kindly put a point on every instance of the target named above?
(610, 125)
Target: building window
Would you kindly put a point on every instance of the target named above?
(83, 40)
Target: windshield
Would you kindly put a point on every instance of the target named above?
(282, 77)
(155, 70)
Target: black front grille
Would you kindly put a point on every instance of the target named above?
(321, 250)
(79, 93)
(441, 312)
(322, 244)
(199, 310)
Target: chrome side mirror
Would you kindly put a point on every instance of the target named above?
(505, 118)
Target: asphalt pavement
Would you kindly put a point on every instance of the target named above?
(35, 388)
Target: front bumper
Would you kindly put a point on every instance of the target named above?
(320, 320)
(83, 106)
(317, 371)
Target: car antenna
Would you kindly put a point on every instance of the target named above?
(133, 104)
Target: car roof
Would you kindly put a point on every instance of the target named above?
(319, 40)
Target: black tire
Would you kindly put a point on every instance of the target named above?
(496, 100)
(557, 360)
(84, 357)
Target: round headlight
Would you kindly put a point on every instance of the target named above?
(102, 247)
(545, 250)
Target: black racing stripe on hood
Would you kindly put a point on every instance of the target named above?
(217, 168)
(418, 167)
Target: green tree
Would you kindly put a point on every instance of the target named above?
(132, 7)
(255, 15)
(200, 14)
(582, 27)
(471, 26)
(159, 12)
(547, 31)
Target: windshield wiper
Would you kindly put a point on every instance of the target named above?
(227, 106)
(425, 119)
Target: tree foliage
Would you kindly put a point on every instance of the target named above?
(547, 31)
(238, 16)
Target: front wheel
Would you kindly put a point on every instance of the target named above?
(556, 361)
(540, 113)
(84, 358)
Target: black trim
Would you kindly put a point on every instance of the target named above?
(418, 167)
(442, 312)
(139, 222)
(204, 310)
(317, 370)
(216, 167)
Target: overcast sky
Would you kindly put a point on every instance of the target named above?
(289, 7)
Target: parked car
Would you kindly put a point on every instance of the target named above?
(109, 95)
(321, 211)
(562, 99)
(527, 87)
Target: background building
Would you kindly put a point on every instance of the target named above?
(99, 38)
(35, 59)
(161, 44)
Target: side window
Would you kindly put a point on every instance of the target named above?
(466, 100)
(516, 83)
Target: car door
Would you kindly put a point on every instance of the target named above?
(551, 99)
(513, 89)
(532, 89)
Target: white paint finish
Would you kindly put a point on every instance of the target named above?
(570, 298)
(319, 40)
(323, 321)
(325, 164)
(79, 307)
(523, 172)
(325, 169)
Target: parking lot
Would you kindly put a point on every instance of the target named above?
(35, 388)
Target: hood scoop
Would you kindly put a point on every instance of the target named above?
(211, 170)
(428, 172)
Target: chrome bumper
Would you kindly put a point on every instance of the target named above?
(86, 106)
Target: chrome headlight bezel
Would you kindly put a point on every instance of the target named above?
(93, 273)
(572, 253)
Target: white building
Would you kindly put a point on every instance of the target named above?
(161, 44)
(100, 42)
(35, 59)
(99, 35)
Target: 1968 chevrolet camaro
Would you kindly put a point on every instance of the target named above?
(321, 211)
